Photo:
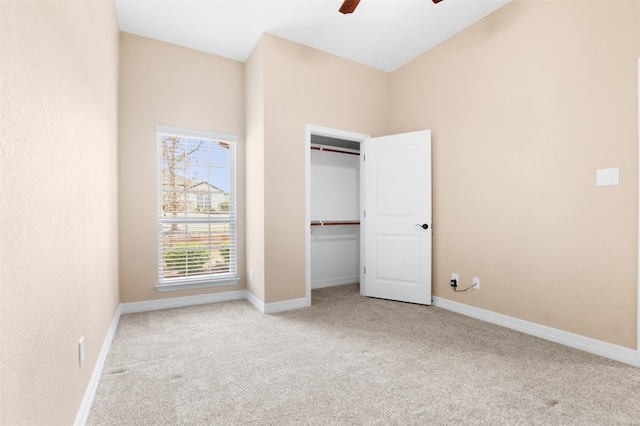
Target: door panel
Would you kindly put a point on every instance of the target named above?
(397, 197)
(393, 183)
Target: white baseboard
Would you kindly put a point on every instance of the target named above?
(597, 347)
(92, 387)
(332, 282)
(179, 302)
(257, 303)
(285, 305)
(272, 308)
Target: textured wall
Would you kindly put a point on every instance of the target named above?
(58, 214)
(525, 105)
(164, 84)
(305, 86)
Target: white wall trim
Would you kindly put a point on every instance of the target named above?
(285, 305)
(176, 131)
(638, 270)
(597, 347)
(333, 282)
(274, 307)
(179, 302)
(92, 387)
(257, 303)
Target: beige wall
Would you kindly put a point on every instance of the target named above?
(58, 220)
(165, 84)
(304, 86)
(525, 105)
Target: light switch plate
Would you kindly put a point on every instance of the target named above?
(607, 177)
(81, 351)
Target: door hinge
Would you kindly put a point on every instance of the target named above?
(364, 213)
(365, 270)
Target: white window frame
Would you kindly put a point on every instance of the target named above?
(211, 280)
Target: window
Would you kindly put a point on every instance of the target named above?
(204, 201)
(196, 209)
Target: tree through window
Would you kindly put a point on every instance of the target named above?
(196, 213)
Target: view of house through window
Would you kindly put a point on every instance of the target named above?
(196, 221)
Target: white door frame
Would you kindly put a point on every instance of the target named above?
(332, 133)
(638, 283)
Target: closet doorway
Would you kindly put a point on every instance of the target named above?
(369, 222)
(333, 199)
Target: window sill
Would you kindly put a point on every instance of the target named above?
(191, 284)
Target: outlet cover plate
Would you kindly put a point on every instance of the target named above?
(608, 177)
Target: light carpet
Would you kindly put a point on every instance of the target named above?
(350, 360)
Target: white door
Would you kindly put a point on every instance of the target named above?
(396, 221)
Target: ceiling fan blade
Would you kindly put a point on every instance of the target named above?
(349, 6)
(436, 1)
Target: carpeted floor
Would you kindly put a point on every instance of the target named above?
(351, 360)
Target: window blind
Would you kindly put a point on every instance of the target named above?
(196, 209)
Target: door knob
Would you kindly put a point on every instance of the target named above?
(423, 226)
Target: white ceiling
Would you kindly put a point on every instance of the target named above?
(383, 34)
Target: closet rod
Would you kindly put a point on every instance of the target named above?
(322, 148)
(335, 222)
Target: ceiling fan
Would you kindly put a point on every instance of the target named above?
(348, 6)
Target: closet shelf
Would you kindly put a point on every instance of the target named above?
(334, 149)
(334, 222)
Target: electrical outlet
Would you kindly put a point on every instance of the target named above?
(81, 351)
(454, 279)
(476, 283)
